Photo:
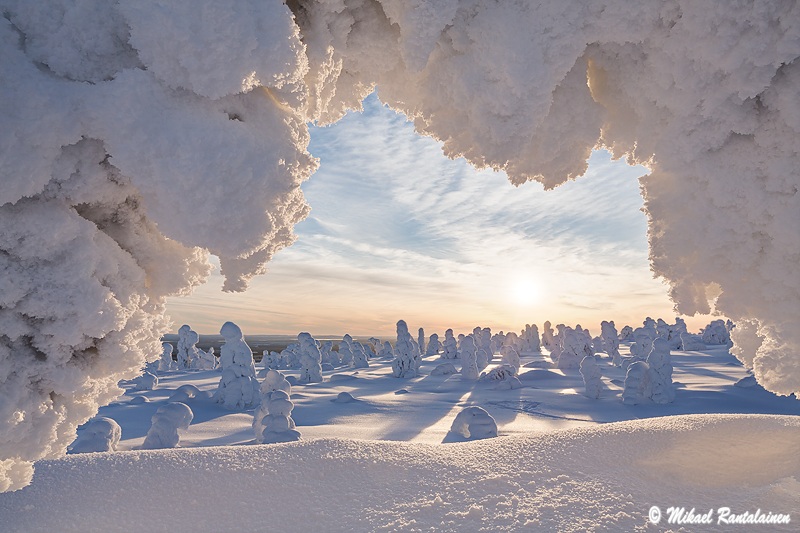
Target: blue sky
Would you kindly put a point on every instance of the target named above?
(397, 230)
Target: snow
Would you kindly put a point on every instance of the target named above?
(543, 482)
(123, 121)
(597, 462)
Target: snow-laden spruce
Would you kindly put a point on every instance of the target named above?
(637, 388)
(661, 388)
(449, 346)
(169, 418)
(469, 359)
(434, 346)
(166, 363)
(100, 434)
(592, 377)
(310, 359)
(188, 352)
(273, 381)
(278, 425)
(238, 386)
(407, 358)
(608, 332)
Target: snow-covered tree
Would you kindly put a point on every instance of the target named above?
(421, 340)
(434, 346)
(592, 382)
(147, 381)
(643, 342)
(474, 423)
(608, 332)
(548, 336)
(406, 359)
(346, 350)
(510, 357)
(360, 357)
(278, 425)
(449, 346)
(273, 381)
(187, 349)
(310, 359)
(100, 434)
(626, 334)
(530, 339)
(166, 363)
(637, 384)
(205, 360)
(169, 418)
(387, 351)
(662, 390)
(329, 355)
(716, 333)
(469, 356)
(238, 386)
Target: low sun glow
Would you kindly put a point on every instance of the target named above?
(525, 292)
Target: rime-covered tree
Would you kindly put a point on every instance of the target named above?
(406, 355)
(310, 359)
(449, 346)
(169, 418)
(238, 386)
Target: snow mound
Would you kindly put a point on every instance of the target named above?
(680, 460)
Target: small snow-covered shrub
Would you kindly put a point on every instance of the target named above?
(101, 434)
(184, 393)
(146, 381)
(474, 423)
(499, 373)
(169, 418)
(444, 369)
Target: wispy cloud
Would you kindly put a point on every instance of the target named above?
(399, 231)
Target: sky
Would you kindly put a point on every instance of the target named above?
(399, 231)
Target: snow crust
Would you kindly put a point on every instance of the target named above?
(410, 487)
(113, 111)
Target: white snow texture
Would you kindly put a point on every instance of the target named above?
(123, 120)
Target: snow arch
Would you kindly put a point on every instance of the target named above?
(139, 137)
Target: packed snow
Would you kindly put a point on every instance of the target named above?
(138, 138)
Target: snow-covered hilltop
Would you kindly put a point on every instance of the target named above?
(605, 477)
(138, 137)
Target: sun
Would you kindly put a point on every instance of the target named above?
(525, 292)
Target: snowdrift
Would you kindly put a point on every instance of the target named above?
(572, 480)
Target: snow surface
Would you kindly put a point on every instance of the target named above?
(123, 121)
(562, 461)
(602, 476)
